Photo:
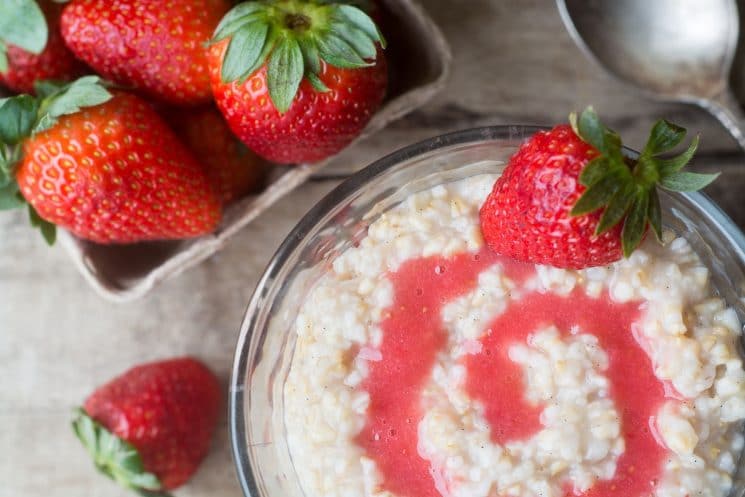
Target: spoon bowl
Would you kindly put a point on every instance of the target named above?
(674, 50)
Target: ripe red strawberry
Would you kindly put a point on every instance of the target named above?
(112, 172)
(36, 53)
(297, 81)
(570, 198)
(154, 46)
(233, 170)
(151, 427)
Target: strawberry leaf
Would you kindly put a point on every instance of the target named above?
(239, 11)
(22, 24)
(268, 47)
(684, 181)
(46, 87)
(589, 128)
(310, 56)
(354, 16)
(10, 197)
(654, 215)
(235, 26)
(616, 209)
(356, 39)
(339, 53)
(17, 117)
(114, 457)
(8, 159)
(316, 82)
(284, 73)
(47, 229)
(244, 50)
(663, 137)
(240, 15)
(85, 429)
(6, 177)
(594, 171)
(669, 166)
(3, 58)
(597, 195)
(87, 91)
(634, 226)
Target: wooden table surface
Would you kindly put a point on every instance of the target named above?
(514, 63)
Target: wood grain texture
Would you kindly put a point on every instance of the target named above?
(514, 63)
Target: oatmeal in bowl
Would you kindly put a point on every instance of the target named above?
(397, 351)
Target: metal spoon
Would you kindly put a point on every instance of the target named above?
(675, 50)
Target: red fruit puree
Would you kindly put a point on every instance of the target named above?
(413, 334)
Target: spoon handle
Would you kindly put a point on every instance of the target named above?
(727, 110)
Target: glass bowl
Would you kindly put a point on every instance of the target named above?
(266, 342)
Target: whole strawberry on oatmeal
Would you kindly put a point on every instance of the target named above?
(565, 341)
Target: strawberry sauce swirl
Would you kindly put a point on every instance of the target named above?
(413, 335)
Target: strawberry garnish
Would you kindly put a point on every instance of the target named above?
(31, 47)
(102, 165)
(150, 428)
(157, 47)
(571, 198)
(297, 81)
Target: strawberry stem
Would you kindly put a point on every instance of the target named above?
(626, 190)
(115, 457)
(292, 38)
(297, 22)
(22, 24)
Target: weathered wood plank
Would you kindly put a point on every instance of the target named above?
(513, 64)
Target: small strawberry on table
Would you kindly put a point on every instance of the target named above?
(31, 46)
(101, 164)
(571, 198)
(151, 427)
(297, 81)
(157, 47)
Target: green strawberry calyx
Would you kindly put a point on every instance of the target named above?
(22, 24)
(23, 116)
(625, 188)
(115, 457)
(292, 37)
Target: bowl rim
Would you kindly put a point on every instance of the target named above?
(236, 393)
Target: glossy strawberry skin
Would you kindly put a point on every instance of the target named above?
(233, 170)
(526, 216)
(316, 126)
(157, 47)
(167, 410)
(116, 173)
(55, 62)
